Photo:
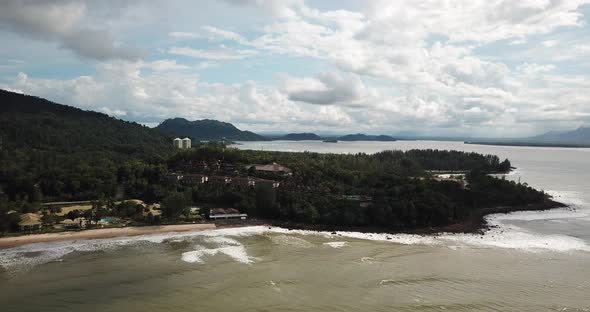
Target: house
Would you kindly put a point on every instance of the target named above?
(78, 223)
(243, 181)
(228, 168)
(273, 168)
(221, 179)
(193, 179)
(226, 213)
(215, 166)
(271, 183)
(30, 222)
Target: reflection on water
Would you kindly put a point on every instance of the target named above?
(533, 261)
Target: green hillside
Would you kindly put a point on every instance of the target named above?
(56, 151)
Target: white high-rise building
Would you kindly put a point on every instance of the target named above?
(186, 143)
(177, 143)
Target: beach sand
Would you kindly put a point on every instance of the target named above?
(9, 242)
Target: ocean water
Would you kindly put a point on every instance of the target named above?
(531, 261)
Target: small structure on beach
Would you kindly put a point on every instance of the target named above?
(77, 223)
(226, 213)
(30, 222)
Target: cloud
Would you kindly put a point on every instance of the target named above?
(62, 21)
(327, 89)
(220, 54)
(473, 67)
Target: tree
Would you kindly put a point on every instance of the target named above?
(311, 214)
(174, 205)
(48, 219)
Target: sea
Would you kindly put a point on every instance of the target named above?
(527, 261)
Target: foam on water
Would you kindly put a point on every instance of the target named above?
(290, 241)
(501, 235)
(336, 244)
(227, 246)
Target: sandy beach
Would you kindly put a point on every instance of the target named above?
(9, 242)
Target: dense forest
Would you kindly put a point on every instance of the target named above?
(52, 152)
(390, 189)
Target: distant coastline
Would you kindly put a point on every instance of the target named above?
(531, 144)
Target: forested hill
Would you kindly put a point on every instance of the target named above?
(32, 123)
(54, 151)
(365, 137)
(300, 137)
(206, 130)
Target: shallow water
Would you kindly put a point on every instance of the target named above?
(533, 261)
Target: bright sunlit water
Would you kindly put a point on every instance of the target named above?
(533, 261)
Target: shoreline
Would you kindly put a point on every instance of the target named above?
(475, 224)
(16, 241)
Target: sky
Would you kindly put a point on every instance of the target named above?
(489, 68)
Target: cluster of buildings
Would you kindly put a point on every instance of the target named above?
(191, 179)
(182, 143)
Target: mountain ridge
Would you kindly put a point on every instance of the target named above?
(206, 130)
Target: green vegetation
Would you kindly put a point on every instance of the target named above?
(391, 189)
(365, 137)
(52, 152)
(300, 137)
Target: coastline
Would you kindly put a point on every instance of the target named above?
(15, 241)
(475, 224)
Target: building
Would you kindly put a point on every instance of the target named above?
(77, 223)
(271, 183)
(273, 168)
(221, 180)
(243, 181)
(226, 213)
(30, 222)
(186, 143)
(177, 143)
(193, 179)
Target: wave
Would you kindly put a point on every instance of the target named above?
(501, 235)
(336, 244)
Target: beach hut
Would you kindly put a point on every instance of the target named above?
(30, 222)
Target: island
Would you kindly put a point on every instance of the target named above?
(305, 136)
(365, 137)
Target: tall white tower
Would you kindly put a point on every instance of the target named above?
(177, 143)
(186, 143)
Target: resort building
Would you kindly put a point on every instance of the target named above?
(78, 223)
(273, 168)
(186, 143)
(30, 222)
(226, 213)
(182, 143)
(177, 143)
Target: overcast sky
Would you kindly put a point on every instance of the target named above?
(480, 68)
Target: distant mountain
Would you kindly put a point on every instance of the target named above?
(206, 130)
(300, 137)
(578, 136)
(365, 137)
